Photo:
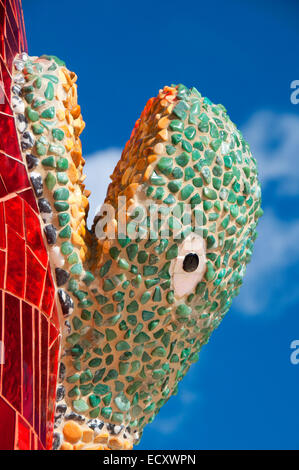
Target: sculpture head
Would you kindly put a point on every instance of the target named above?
(177, 256)
(141, 292)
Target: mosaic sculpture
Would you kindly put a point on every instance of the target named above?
(99, 325)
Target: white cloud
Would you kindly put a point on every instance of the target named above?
(274, 142)
(266, 282)
(169, 423)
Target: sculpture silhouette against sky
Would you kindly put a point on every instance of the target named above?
(101, 324)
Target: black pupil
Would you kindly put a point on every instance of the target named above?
(191, 262)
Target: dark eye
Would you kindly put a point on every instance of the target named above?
(190, 263)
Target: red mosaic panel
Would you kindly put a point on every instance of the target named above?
(29, 197)
(37, 371)
(23, 442)
(44, 377)
(15, 269)
(34, 238)
(34, 279)
(2, 227)
(48, 297)
(11, 379)
(7, 425)
(27, 364)
(2, 269)
(29, 325)
(3, 190)
(14, 214)
(53, 371)
(9, 144)
(5, 79)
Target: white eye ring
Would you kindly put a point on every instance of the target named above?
(183, 281)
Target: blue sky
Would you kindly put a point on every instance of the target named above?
(243, 392)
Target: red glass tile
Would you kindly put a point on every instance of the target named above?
(2, 269)
(11, 383)
(12, 9)
(53, 370)
(9, 142)
(40, 445)
(44, 377)
(13, 174)
(15, 279)
(36, 407)
(2, 227)
(12, 31)
(2, 16)
(4, 104)
(53, 334)
(23, 442)
(21, 27)
(14, 214)
(35, 276)
(35, 442)
(7, 426)
(3, 190)
(1, 339)
(49, 293)
(27, 337)
(9, 53)
(55, 317)
(34, 237)
(29, 197)
(5, 92)
(32, 447)
(5, 76)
